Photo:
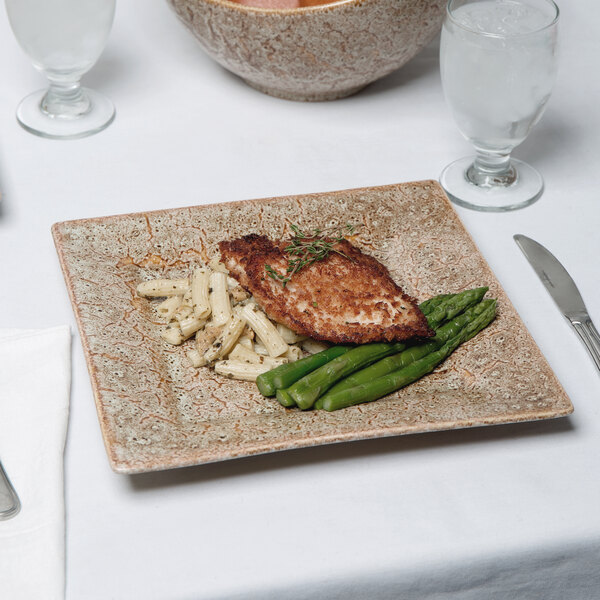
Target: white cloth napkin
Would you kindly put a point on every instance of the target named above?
(35, 374)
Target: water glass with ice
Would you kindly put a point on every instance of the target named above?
(63, 39)
(498, 67)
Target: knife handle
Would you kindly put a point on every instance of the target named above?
(589, 335)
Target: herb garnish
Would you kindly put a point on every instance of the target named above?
(308, 248)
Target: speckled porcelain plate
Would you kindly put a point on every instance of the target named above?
(156, 412)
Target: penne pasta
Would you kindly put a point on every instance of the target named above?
(260, 348)
(226, 340)
(216, 265)
(239, 341)
(187, 298)
(265, 330)
(242, 354)
(190, 325)
(220, 304)
(172, 334)
(293, 353)
(205, 337)
(158, 288)
(230, 335)
(239, 294)
(167, 307)
(289, 336)
(275, 362)
(182, 312)
(246, 342)
(199, 292)
(313, 346)
(240, 370)
(195, 358)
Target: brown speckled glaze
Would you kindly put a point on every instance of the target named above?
(316, 53)
(157, 412)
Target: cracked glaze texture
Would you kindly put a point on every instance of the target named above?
(317, 53)
(157, 412)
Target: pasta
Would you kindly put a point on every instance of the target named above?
(190, 325)
(167, 307)
(288, 335)
(172, 334)
(225, 342)
(242, 354)
(199, 290)
(220, 324)
(220, 304)
(312, 346)
(265, 330)
(240, 370)
(163, 287)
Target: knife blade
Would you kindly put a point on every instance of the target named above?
(564, 292)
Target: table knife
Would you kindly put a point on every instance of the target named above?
(564, 292)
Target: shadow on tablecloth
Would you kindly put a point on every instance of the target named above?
(289, 459)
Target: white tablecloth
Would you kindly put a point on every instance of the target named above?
(504, 512)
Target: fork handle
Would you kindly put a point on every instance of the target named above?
(589, 335)
(9, 501)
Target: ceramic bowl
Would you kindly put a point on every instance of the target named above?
(313, 53)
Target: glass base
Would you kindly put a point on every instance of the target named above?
(32, 118)
(527, 188)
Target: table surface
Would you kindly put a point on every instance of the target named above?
(498, 512)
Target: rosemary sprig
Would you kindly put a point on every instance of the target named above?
(307, 248)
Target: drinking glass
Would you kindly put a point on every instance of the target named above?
(498, 67)
(63, 39)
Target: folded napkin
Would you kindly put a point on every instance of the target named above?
(35, 374)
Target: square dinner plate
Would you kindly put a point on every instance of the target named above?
(157, 412)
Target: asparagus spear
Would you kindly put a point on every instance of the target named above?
(387, 384)
(309, 388)
(284, 398)
(450, 307)
(414, 353)
(428, 305)
(285, 375)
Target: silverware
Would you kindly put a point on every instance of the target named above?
(9, 501)
(564, 292)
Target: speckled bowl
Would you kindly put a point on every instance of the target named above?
(315, 53)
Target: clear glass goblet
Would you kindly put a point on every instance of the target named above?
(63, 39)
(498, 67)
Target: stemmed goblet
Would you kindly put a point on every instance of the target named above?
(498, 67)
(63, 39)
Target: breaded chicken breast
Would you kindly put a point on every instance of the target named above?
(343, 298)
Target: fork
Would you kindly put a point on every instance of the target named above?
(9, 501)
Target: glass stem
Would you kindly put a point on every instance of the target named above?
(65, 100)
(491, 169)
